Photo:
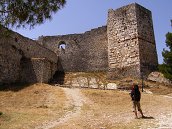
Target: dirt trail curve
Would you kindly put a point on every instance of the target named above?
(76, 99)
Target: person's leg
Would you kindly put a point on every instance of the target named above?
(139, 109)
(136, 114)
(141, 113)
(135, 111)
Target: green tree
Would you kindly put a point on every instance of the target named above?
(24, 13)
(166, 67)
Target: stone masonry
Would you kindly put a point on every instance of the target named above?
(83, 52)
(125, 47)
(131, 42)
(24, 60)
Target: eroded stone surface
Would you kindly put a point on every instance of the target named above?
(158, 77)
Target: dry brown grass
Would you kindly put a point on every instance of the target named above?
(31, 106)
(109, 109)
(105, 109)
(158, 88)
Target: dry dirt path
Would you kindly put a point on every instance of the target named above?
(162, 114)
(75, 102)
(158, 106)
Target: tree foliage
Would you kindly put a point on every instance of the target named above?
(166, 67)
(22, 13)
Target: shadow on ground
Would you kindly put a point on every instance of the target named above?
(147, 117)
(14, 87)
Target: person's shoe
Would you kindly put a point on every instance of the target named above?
(143, 116)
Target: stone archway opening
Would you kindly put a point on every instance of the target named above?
(62, 45)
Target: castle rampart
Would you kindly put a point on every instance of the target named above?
(20, 59)
(125, 47)
(83, 52)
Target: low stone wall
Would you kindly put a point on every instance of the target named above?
(88, 80)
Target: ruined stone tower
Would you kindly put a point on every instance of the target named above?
(131, 42)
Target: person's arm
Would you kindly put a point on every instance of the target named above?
(132, 94)
(139, 95)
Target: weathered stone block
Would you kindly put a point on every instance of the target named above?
(112, 86)
(93, 83)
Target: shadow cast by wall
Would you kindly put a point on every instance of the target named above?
(27, 77)
(27, 71)
(58, 77)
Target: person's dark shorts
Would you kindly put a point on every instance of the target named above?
(136, 105)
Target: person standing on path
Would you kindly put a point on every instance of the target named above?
(136, 96)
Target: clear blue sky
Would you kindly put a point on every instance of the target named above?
(79, 16)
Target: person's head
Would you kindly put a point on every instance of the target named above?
(136, 87)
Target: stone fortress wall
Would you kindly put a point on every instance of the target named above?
(21, 58)
(125, 47)
(83, 52)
